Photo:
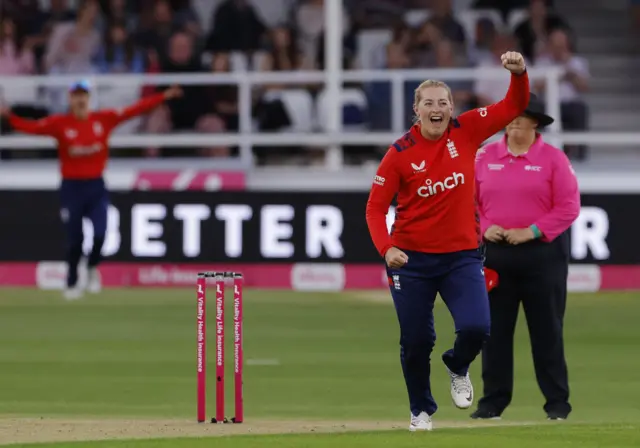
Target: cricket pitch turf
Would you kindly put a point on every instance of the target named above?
(322, 369)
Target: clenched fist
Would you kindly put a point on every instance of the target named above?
(395, 258)
(513, 61)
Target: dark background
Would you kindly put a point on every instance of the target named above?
(30, 227)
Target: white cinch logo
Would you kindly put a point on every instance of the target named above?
(449, 183)
(379, 180)
(418, 168)
(453, 151)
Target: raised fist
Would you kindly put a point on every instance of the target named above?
(513, 61)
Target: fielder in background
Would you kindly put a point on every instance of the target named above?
(434, 244)
(528, 197)
(83, 151)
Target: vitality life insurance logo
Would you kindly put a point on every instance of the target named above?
(449, 183)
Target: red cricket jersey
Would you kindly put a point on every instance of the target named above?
(83, 145)
(434, 180)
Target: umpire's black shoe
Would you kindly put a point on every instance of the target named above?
(485, 414)
(555, 415)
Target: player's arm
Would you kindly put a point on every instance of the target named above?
(386, 184)
(482, 123)
(145, 105)
(566, 201)
(45, 126)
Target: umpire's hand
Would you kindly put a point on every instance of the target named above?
(494, 234)
(395, 258)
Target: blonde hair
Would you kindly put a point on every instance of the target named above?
(431, 83)
(425, 85)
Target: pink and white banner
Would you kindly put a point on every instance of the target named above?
(296, 276)
(180, 180)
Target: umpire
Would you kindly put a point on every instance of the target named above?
(528, 197)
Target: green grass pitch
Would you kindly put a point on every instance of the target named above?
(322, 370)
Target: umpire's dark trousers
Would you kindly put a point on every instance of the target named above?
(534, 274)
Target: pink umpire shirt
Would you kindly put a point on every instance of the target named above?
(538, 187)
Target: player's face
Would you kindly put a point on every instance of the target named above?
(79, 102)
(522, 126)
(434, 109)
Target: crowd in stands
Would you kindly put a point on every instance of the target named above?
(199, 36)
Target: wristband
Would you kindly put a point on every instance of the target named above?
(536, 231)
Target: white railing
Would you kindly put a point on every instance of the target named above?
(332, 140)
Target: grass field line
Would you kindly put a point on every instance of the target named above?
(41, 430)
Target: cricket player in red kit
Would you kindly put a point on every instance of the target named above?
(434, 243)
(83, 151)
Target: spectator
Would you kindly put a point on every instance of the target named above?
(504, 6)
(492, 90)
(397, 51)
(118, 11)
(309, 22)
(16, 51)
(574, 111)
(189, 112)
(156, 35)
(27, 15)
(461, 90)
(60, 11)
(485, 33)
(348, 51)
(224, 112)
(16, 58)
(73, 46)
(284, 54)
(119, 54)
(379, 92)
(39, 25)
(225, 96)
(442, 16)
(532, 32)
(422, 52)
(235, 27)
(186, 18)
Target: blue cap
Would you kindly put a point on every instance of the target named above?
(82, 85)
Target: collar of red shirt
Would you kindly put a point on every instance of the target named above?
(503, 149)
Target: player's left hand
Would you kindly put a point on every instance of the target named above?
(518, 236)
(173, 92)
(513, 61)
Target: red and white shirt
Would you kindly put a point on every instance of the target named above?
(83, 145)
(434, 180)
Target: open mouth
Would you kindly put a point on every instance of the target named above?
(436, 119)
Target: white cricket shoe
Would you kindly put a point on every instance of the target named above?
(73, 293)
(461, 390)
(94, 281)
(421, 422)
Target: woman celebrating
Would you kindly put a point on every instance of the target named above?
(433, 247)
(527, 198)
